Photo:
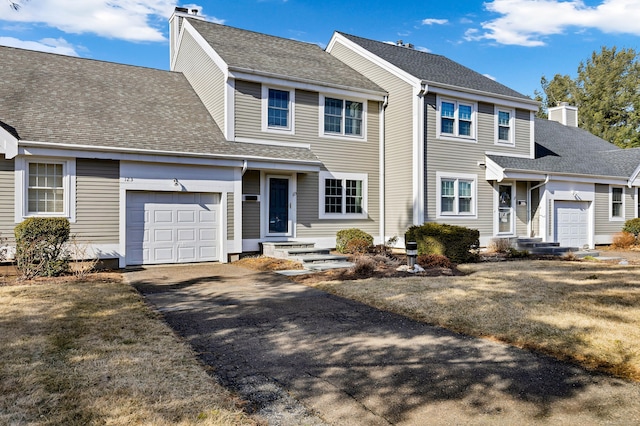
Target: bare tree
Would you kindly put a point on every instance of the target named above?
(16, 5)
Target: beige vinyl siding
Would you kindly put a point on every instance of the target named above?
(399, 127)
(204, 76)
(251, 209)
(230, 216)
(460, 157)
(7, 198)
(97, 201)
(535, 212)
(248, 112)
(523, 129)
(603, 225)
(337, 155)
(521, 211)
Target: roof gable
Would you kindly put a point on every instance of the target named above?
(280, 57)
(434, 69)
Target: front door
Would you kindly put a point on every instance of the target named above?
(505, 209)
(279, 205)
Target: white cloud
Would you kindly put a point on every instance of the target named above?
(433, 21)
(527, 22)
(423, 49)
(490, 77)
(132, 20)
(51, 45)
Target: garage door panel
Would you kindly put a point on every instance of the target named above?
(572, 223)
(172, 227)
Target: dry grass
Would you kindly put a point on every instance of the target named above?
(79, 353)
(588, 313)
(265, 263)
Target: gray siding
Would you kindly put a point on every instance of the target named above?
(603, 225)
(97, 201)
(521, 211)
(251, 209)
(204, 76)
(7, 198)
(535, 212)
(230, 216)
(523, 133)
(398, 140)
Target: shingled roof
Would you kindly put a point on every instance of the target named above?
(571, 150)
(244, 50)
(434, 69)
(65, 100)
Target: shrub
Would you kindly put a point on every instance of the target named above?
(454, 242)
(345, 235)
(40, 246)
(623, 240)
(632, 226)
(434, 261)
(499, 245)
(3, 249)
(357, 246)
(364, 266)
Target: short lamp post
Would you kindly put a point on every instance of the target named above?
(412, 253)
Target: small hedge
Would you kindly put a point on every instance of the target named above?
(361, 240)
(632, 226)
(455, 242)
(40, 246)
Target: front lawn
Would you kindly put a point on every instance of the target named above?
(79, 353)
(585, 312)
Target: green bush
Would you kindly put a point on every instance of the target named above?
(455, 242)
(632, 226)
(40, 245)
(344, 236)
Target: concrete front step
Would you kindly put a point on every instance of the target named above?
(320, 258)
(534, 244)
(313, 259)
(300, 252)
(278, 249)
(557, 251)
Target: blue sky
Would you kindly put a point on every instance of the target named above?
(513, 41)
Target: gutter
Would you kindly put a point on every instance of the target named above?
(381, 170)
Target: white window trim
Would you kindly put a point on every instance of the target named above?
(22, 187)
(455, 136)
(343, 176)
(474, 194)
(636, 200)
(512, 126)
(290, 130)
(342, 135)
(611, 216)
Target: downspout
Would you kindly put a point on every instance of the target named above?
(381, 170)
(418, 160)
(529, 213)
(244, 167)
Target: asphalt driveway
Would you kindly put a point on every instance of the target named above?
(301, 356)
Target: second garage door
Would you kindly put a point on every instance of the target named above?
(172, 227)
(572, 223)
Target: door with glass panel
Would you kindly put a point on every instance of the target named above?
(505, 209)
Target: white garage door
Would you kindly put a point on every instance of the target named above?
(572, 223)
(172, 227)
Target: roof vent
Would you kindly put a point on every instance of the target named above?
(182, 10)
(399, 43)
(565, 114)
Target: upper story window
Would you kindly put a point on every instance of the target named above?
(617, 202)
(278, 107)
(343, 195)
(456, 119)
(343, 117)
(504, 126)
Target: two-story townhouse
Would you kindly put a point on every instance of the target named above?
(463, 149)
(441, 120)
(277, 92)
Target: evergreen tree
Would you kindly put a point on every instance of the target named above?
(606, 92)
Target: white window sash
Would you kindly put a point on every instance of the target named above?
(343, 178)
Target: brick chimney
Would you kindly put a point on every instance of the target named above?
(565, 114)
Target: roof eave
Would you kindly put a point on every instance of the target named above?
(532, 104)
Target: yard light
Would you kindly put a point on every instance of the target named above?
(412, 253)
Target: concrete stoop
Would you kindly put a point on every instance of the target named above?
(313, 259)
(537, 246)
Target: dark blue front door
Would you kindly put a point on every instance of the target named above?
(278, 206)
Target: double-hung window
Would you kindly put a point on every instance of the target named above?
(343, 195)
(456, 119)
(45, 190)
(278, 106)
(342, 117)
(617, 203)
(456, 195)
(504, 126)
